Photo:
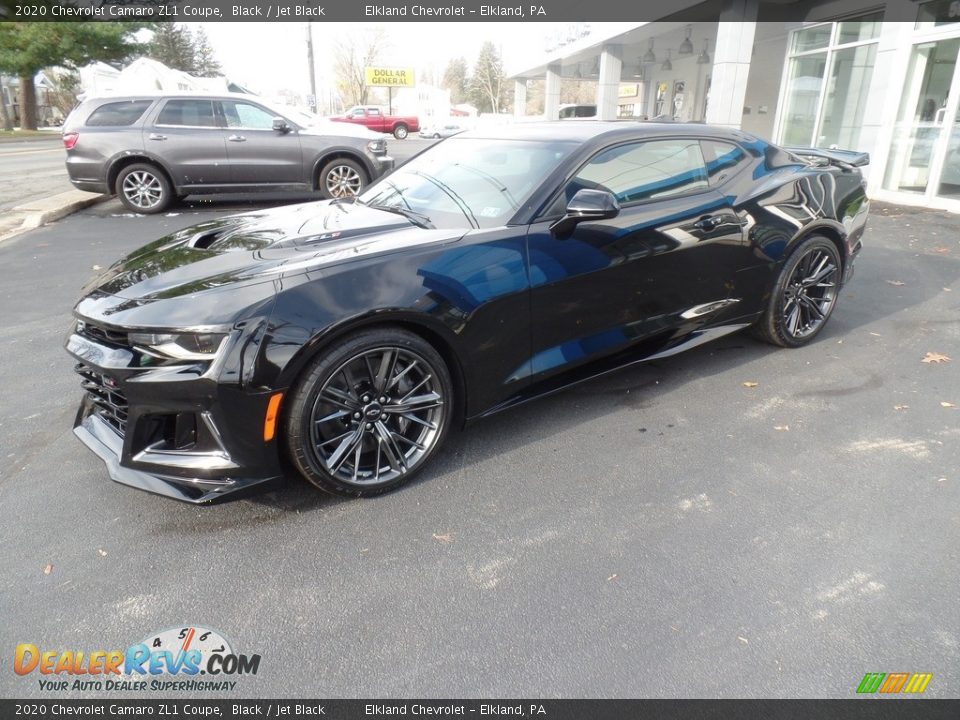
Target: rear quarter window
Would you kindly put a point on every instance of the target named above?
(118, 114)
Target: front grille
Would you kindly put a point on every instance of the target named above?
(96, 332)
(110, 401)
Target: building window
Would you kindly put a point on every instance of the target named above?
(924, 131)
(828, 78)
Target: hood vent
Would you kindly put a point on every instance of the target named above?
(204, 240)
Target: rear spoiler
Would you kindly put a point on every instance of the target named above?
(841, 158)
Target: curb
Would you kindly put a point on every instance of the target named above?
(49, 209)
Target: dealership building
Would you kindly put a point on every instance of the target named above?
(876, 77)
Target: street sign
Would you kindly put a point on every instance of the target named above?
(390, 77)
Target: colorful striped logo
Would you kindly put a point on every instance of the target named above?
(889, 683)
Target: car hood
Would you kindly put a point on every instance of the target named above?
(259, 247)
(327, 127)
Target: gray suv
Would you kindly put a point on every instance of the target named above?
(151, 149)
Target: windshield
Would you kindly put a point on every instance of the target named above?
(469, 183)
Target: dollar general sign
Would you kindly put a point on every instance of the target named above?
(389, 77)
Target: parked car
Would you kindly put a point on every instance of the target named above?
(151, 149)
(441, 130)
(373, 118)
(346, 337)
(577, 112)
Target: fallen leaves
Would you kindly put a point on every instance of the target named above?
(935, 357)
(103, 553)
(750, 384)
(742, 639)
(612, 577)
(48, 569)
(901, 407)
(944, 403)
(782, 428)
(444, 538)
(896, 283)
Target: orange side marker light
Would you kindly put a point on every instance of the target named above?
(270, 421)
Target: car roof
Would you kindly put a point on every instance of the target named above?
(582, 131)
(153, 94)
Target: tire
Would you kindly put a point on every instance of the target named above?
(400, 132)
(804, 295)
(341, 178)
(345, 430)
(144, 188)
(436, 136)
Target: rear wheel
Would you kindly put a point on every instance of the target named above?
(342, 178)
(143, 188)
(804, 295)
(369, 413)
(400, 131)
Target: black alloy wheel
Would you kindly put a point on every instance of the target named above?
(805, 294)
(369, 413)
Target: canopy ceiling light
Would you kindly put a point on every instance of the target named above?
(650, 57)
(667, 65)
(639, 73)
(704, 57)
(686, 47)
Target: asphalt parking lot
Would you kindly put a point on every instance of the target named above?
(671, 530)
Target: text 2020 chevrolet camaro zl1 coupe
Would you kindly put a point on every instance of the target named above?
(345, 337)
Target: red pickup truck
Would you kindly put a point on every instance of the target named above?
(370, 116)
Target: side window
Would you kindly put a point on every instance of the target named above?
(373, 112)
(644, 171)
(724, 160)
(245, 115)
(357, 112)
(190, 113)
(118, 114)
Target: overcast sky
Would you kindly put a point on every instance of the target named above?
(268, 57)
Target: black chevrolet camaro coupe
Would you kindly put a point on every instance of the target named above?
(345, 337)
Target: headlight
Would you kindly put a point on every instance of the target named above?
(377, 147)
(179, 346)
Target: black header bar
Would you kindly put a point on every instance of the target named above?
(855, 709)
(423, 11)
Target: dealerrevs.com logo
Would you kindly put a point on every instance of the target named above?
(188, 659)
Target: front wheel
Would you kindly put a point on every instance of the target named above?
(400, 132)
(341, 178)
(369, 413)
(804, 295)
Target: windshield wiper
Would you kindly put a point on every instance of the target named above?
(418, 219)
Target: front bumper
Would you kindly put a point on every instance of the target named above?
(171, 430)
(97, 435)
(383, 164)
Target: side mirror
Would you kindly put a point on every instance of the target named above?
(586, 205)
(280, 125)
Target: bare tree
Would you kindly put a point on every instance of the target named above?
(487, 91)
(352, 55)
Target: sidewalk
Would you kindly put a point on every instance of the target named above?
(40, 211)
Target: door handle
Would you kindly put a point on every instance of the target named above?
(708, 222)
(237, 138)
(157, 136)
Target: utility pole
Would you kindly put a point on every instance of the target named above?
(312, 101)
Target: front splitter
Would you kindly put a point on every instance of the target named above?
(108, 446)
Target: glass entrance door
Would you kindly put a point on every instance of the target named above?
(925, 153)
